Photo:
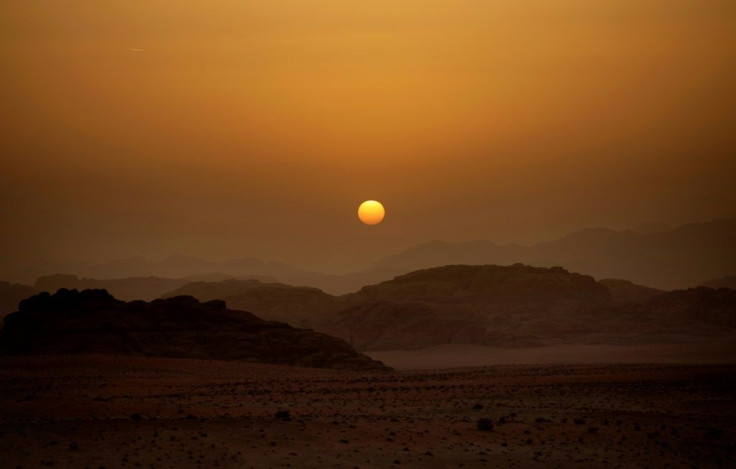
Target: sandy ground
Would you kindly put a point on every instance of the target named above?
(128, 412)
(458, 355)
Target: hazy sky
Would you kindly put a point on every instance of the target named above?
(255, 128)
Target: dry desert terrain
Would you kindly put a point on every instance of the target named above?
(130, 412)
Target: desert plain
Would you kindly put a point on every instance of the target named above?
(106, 411)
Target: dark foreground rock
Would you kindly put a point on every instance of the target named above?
(93, 322)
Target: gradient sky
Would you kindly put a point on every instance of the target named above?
(255, 128)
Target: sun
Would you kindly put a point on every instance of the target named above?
(371, 212)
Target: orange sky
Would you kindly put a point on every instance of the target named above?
(235, 128)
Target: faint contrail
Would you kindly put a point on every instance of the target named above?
(137, 50)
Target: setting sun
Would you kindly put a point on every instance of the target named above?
(371, 212)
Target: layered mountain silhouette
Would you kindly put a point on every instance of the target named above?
(94, 322)
(665, 259)
(491, 305)
(507, 306)
(652, 255)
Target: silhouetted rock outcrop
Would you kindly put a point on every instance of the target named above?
(92, 321)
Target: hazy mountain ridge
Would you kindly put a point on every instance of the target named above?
(665, 259)
(660, 258)
(495, 305)
(507, 306)
(93, 322)
(521, 305)
(486, 284)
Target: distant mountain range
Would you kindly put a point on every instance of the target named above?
(665, 259)
(653, 255)
(507, 306)
(521, 306)
(93, 322)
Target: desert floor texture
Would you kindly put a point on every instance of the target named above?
(130, 412)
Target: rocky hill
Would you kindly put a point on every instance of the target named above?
(488, 289)
(94, 322)
(481, 304)
(520, 306)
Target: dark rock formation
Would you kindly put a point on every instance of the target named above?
(93, 322)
